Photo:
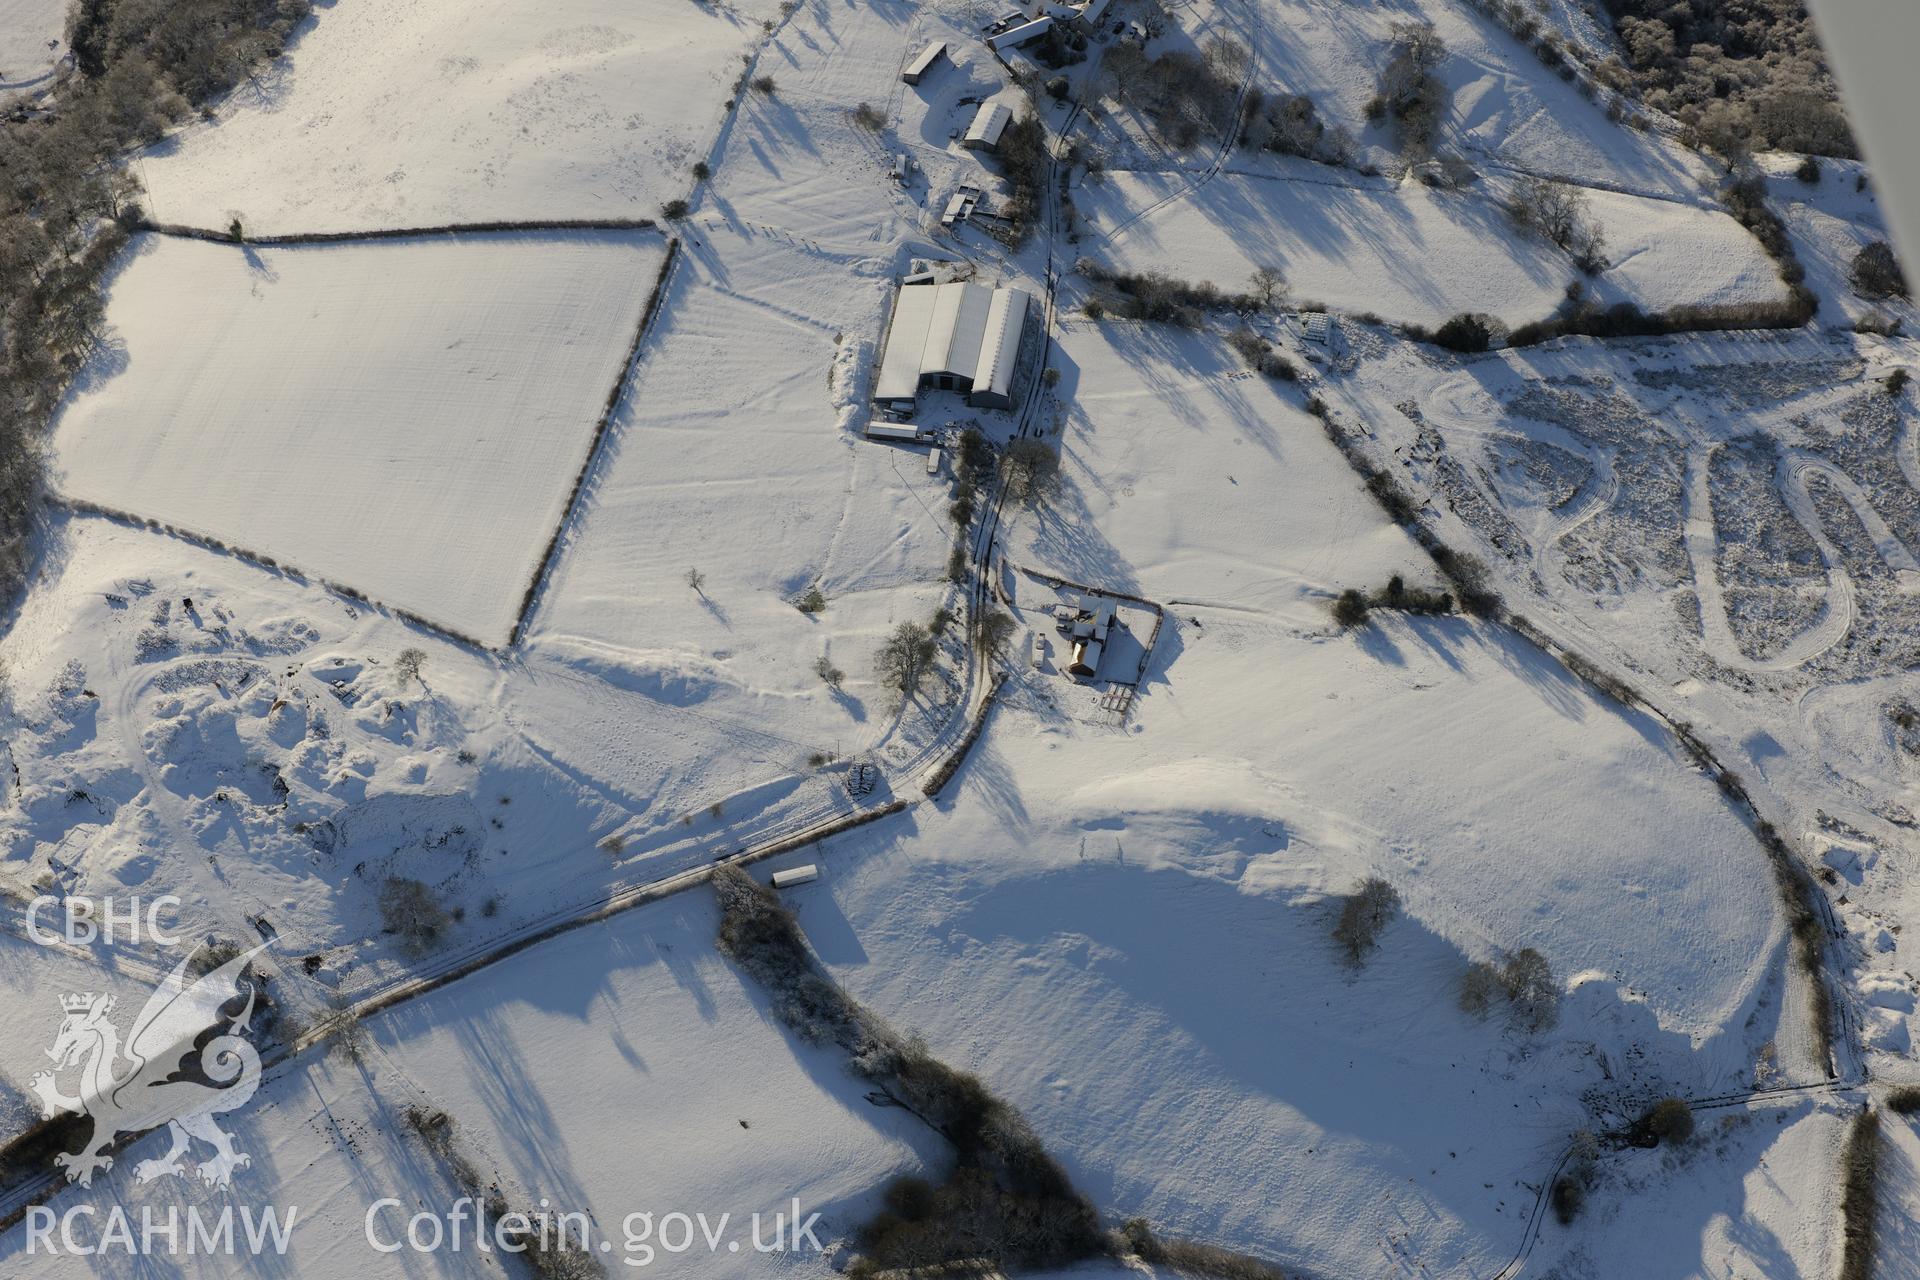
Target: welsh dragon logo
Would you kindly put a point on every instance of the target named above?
(148, 1081)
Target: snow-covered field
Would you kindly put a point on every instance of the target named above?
(1506, 111)
(1151, 905)
(405, 418)
(1118, 912)
(1731, 520)
(1184, 477)
(32, 38)
(1407, 252)
(731, 457)
(395, 113)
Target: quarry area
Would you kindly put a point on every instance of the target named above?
(1264, 639)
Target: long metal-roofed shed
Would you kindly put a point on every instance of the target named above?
(989, 122)
(958, 336)
(924, 62)
(1019, 35)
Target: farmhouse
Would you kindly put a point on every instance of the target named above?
(1086, 624)
(958, 336)
(925, 61)
(1087, 11)
(989, 122)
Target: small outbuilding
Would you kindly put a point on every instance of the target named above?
(796, 875)
(924, 62)
(960, 206)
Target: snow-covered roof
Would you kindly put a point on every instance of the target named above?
(1000, 347)
(924, 62)
(906, 337)
(959, 329)
(1021, 34)
(989, 122)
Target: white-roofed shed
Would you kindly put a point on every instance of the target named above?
(924, 62)
(989, 122)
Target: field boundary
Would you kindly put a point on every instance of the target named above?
(261, 560)
(596, 446)
(291, 239)
(543, 567)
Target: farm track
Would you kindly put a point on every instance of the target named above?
(1227, 142)
(1719, 1102)
(1716, 632)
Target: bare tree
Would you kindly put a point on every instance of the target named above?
(906, 658)
(698, 581)
(1876, 272)
(1559, 214)
(1032, 468)
(1531, 989)
(407, 665)
(994, 629)
(1268, 285)
(1409, 90)
(1363, 914)
(409, 910)
(1478, 986)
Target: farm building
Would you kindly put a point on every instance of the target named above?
(1087, 11)
(927, 59)
(1014, 37)
(953, 337)
(989, 122)
(960, 206)
(1086, 624)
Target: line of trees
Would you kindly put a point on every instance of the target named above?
(1006, 1201)
(66, 208)
(1185, 97)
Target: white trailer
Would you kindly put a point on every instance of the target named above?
(897, 432)
(796, 875)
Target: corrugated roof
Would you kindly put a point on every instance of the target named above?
(963, 329)
(989, 122)
(906, 341)
(1000, 344)
(1021, 34)
(928, 56)
(961, 356)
